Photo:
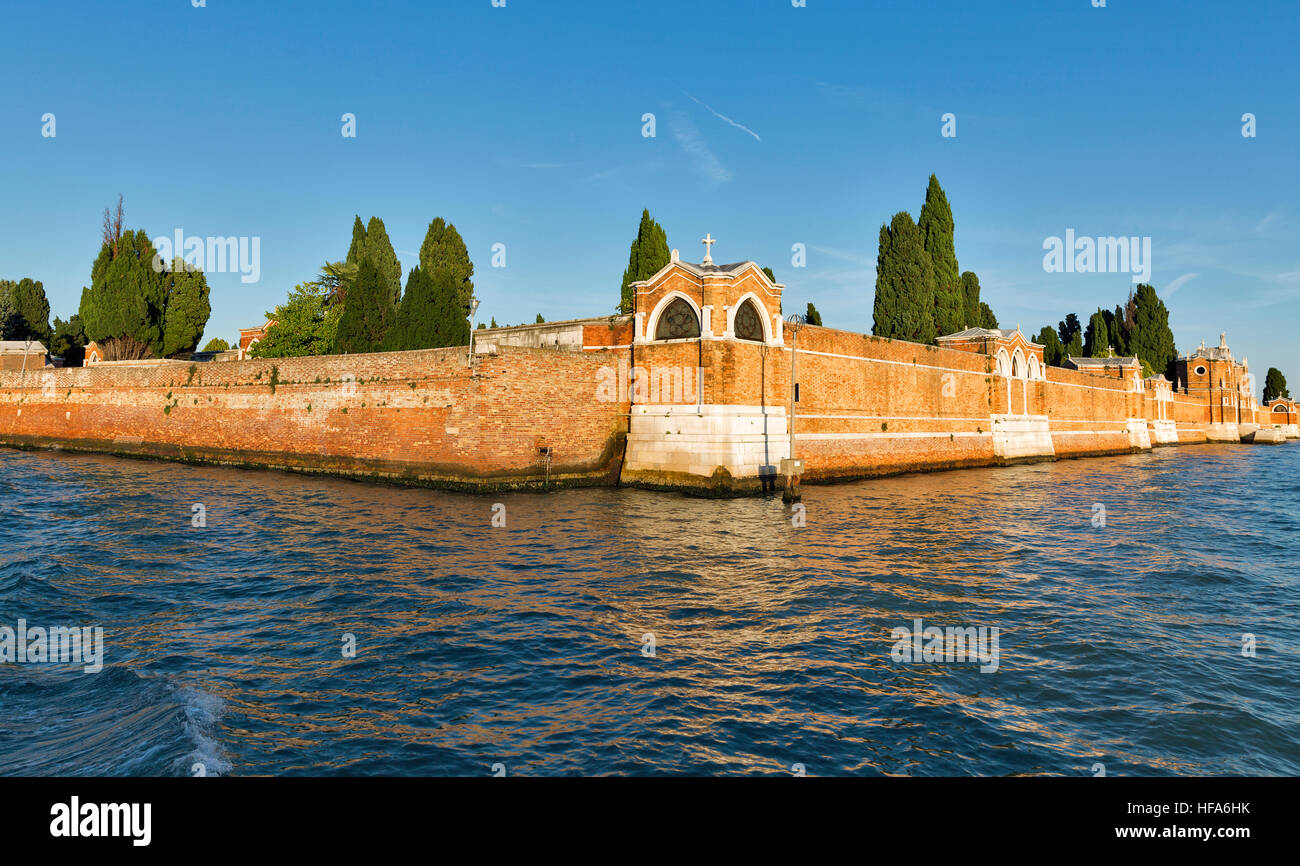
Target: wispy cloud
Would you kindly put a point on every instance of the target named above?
(843, 255)
(704, 161)
(724, 117)
(1176, 284)
(1270, 217)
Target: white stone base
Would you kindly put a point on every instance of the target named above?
(1292, 431)
(747, 441)
(1268, 436)
(1138, 435)
(1164, 432)
(1223, 433)
(1021, 437)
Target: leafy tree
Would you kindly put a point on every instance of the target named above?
(986, 317)
(904, 306)
(369, 311)
(1071, 337)
(1053, 351)
(373, 243)
(335, 277)
(216, 344)
(305, 324)
(443, 248)
(770, 275)
(68, 341)
(187, 308)
(123, 308)
(1096, 340)
(812, 317)
(1275, 385)
(540, 320)
(482, 326)
(648, 255)
(30, 310)
(494, 322)
(1150, 337)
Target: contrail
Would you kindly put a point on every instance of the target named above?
(740, 126)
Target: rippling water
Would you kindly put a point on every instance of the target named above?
(522, 645)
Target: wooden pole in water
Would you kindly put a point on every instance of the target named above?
(791, 492)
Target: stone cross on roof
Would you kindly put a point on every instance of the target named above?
(708, 248)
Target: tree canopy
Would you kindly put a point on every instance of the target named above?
(444, 250)
(430, 315)
(305, 324)
(372, 242)
(368, 313)
(648, 255)
(1275, 385)
(812, 317)
(904, 308)
(28, 310)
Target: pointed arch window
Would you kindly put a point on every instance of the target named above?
(748, 324)
(678, 321)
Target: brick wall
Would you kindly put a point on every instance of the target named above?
(418, 417)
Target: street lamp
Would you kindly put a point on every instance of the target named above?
(792, 467)
(473, 308)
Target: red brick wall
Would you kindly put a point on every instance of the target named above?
(412, 416)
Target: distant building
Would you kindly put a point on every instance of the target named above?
(1116, 367)
(22, 355)
(94, 354)
(250, 337)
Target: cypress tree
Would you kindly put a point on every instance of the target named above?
(936, 227)
(1151, 339)
(369, 311)
(986, 317)
(813, 317)
(380, 248)
(1275, 385)
(648, 255)
(904, 306)
(69, 341)
(771, 276)
(30, 310)
(187, 308)
(443, 248)
(123, 308)
(1071, 337)
(358, 241)
(1051, 343)
(1096, 340)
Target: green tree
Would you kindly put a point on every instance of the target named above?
(1151, 339)
(770, 275)
(430, 315)
(936, 226)
(368, 313)
(444, 249)
(1071, 335)
(187, 308)
(986, 317)
(648, 255)
(540, 320)
(494, 322)
(904, 306)
(123, 308)
(30, 316)
(1096, 340)
(216, 344)
(812, 317)
(68, 341)
(372, 242)
(335, 277)
(1275, 385)
(1053, 351)
(972, 311)
(305, 324)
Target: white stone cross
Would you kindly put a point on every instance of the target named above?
(708, 248)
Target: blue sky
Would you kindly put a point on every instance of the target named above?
(775, 126)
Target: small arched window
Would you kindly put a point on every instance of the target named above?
(677, 322)
(748, 325)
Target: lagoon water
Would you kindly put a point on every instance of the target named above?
(523, 645)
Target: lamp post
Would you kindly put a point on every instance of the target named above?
(473, 308)
(792, 467)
